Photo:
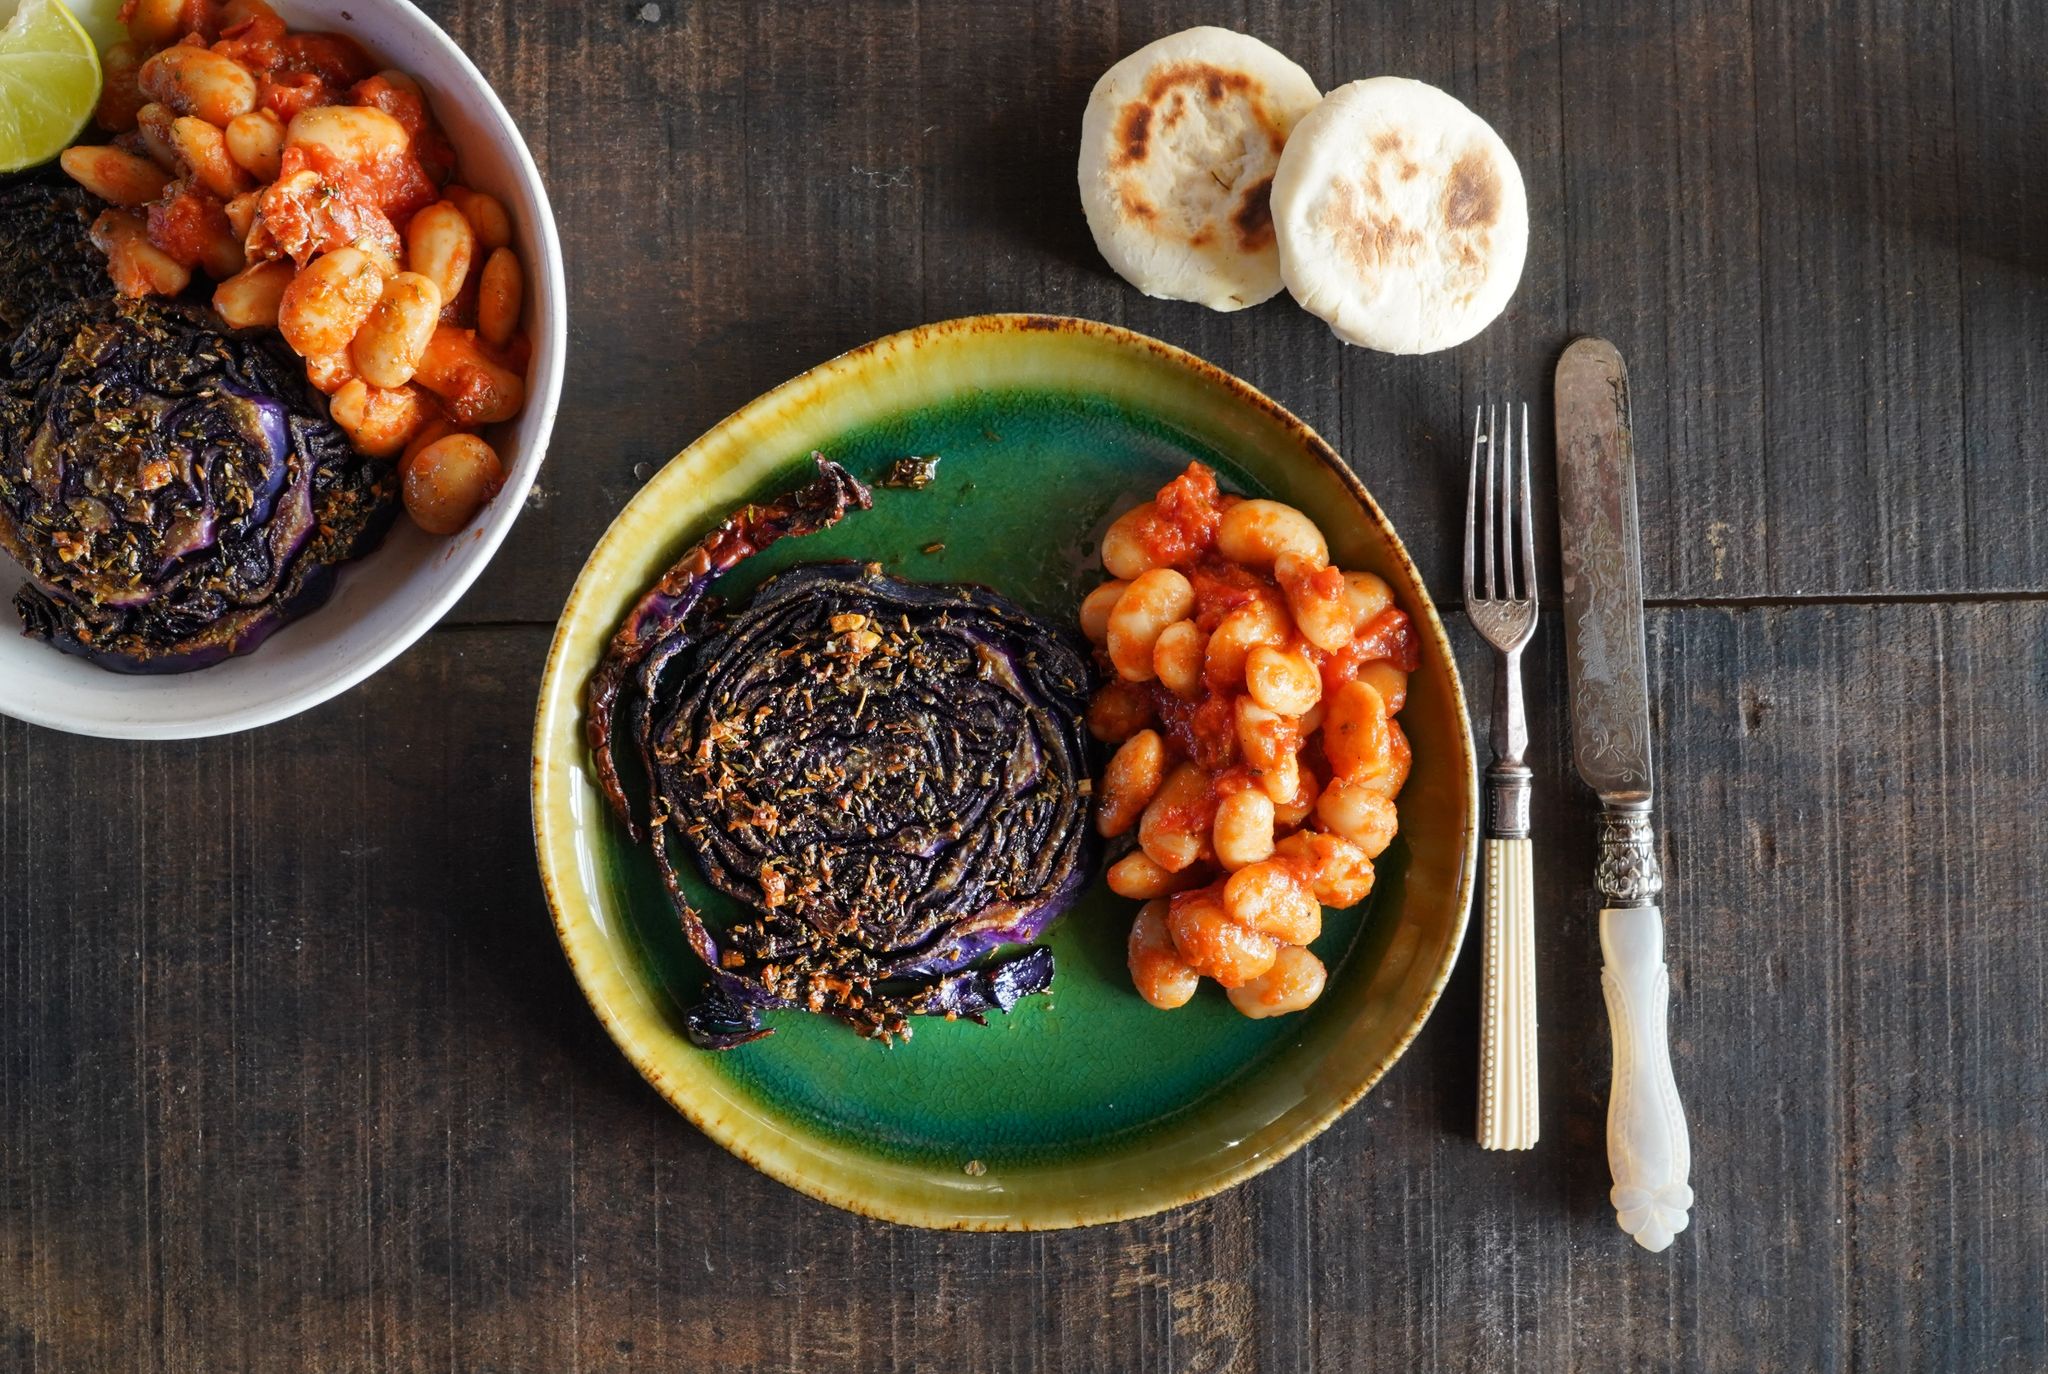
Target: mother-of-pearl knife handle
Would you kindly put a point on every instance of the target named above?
(1648, 1148)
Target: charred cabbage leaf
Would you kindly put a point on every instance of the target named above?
(889, 776)
(657, 629)
(46, 254)
(172, 490)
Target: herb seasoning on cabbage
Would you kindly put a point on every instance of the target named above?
(890, 776)
(46, 253)
(172, 490)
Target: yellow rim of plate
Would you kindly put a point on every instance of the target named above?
(863, 385)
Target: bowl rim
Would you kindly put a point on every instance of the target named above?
(730, 1134)
(543, 398)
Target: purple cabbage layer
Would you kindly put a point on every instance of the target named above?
(889, 776)
(174, 492)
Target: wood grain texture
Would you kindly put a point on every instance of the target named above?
(1815, 240)
(293, 1076)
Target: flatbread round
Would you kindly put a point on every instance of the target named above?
(1178, 149)
(1400, 215)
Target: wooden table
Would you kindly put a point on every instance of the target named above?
(293, 1075)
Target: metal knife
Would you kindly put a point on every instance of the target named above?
(1648, 1149)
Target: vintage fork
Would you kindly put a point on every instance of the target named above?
(1503, 609)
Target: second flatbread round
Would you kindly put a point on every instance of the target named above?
(1400, 215)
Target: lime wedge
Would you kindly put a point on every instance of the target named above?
(100, 18)
(49, 83)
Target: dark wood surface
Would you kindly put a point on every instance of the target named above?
(292, 1074)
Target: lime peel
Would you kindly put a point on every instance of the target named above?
(49, 83)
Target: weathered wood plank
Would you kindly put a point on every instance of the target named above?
(292, 1074)
(1866, 196)
(1660, 248)
(2003, 237)
(1811, 239)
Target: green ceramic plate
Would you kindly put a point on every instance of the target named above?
(1089, 1106)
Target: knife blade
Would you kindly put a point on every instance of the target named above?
(1649, 1149)
(1603, 578)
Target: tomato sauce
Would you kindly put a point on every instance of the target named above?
(1324, 584)
(436, 156)
(185, 221)
(1193, 817)
(394, 184)
(1221, 587)
(1233, 780)
(294, 71)
(302, 216)
(1250, 726)
(1185, 517)
(287, 95)
(1212, 731)
(1388, 636)
(261, 44)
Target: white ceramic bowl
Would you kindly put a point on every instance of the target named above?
(388, 599)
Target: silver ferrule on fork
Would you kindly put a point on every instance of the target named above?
(1508, 777)
(1507, 800)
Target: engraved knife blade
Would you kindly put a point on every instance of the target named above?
(1603, 575)
(1649, 1148)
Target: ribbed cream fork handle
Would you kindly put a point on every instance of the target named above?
(1507, 1010)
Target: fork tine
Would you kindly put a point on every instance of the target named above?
(1472, 503)
(1510, 515)
(1492, 414)
(1528, 520)
(1508, 561)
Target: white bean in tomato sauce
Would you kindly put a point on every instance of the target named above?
(1155, 600)
(328, 301)
(1292, 984)
(449, 481)
(1264, 682)
(249, 299)
(114, 175)
(1158, 972)
(323, 197)
(387, 348)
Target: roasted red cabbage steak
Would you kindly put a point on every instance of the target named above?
(890, 777)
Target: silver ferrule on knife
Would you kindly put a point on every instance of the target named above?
(1627, 874)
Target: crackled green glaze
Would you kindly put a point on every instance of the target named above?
(1090, 1104)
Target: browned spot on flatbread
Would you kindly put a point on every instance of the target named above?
(1134, 204)
(1472, 193)
(1201, 238)
(1216, 82)
(1253, 218)
(1181, 81)
(1135, 131)
(1369, 242)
